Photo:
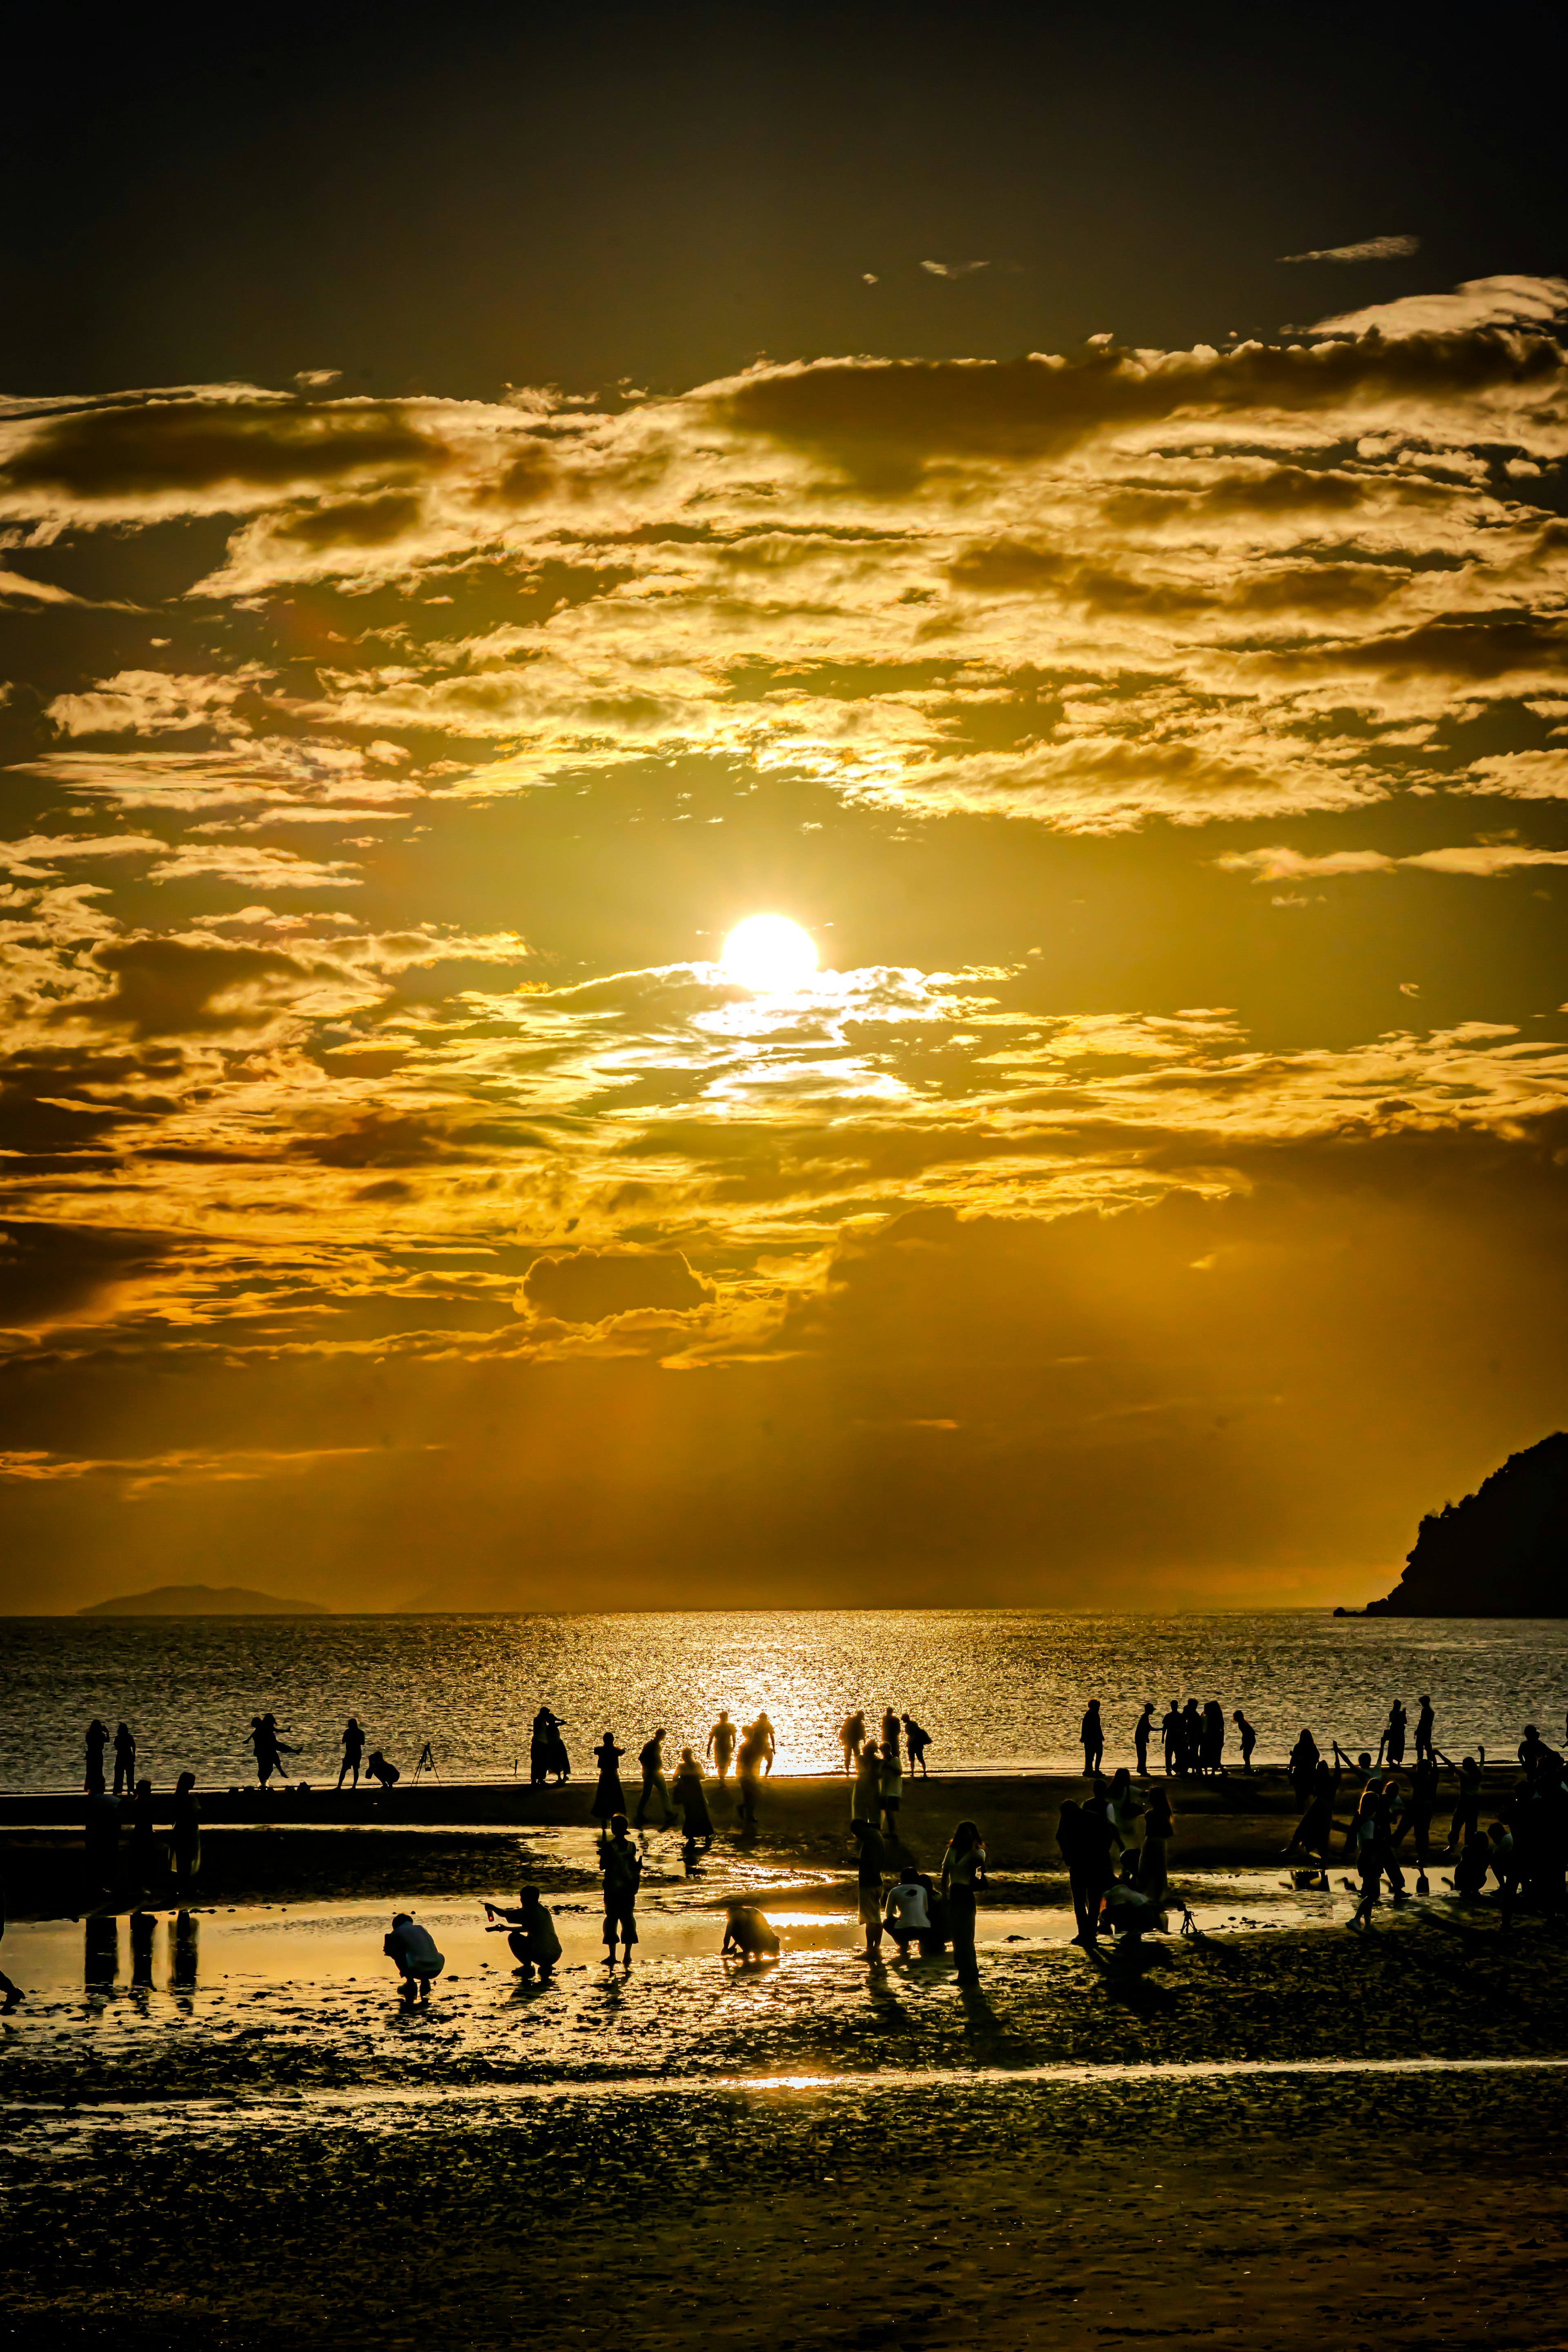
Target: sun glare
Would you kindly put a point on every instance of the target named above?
(770, 954)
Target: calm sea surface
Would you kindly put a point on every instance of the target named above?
(999, 1689)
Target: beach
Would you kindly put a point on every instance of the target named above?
(231, 2130)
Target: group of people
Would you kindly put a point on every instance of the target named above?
(1193, 1739)
(1116, 1849)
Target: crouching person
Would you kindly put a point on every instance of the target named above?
(413, 1947)
(529, 1932)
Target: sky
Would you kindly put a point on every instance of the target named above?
(1072, 516)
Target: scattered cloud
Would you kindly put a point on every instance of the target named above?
(954, 268)
(1371, 248)
(1479, 303)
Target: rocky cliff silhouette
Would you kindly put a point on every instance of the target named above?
(1503, 1552)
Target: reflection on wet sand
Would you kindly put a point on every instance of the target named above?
(184, 1954)
(101, 1954)
(143, 1925)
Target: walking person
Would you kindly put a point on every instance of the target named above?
(650, 1755)
(1093, 1739)
(622, 1866)
(1367, 1831)
(1143, 1731)
(721, 1744)
(753, 1754)
(186, 1840)
(917, 1740)
(124, 1760)
(353, 1745)
(869, 1879)
(608, 1798)
(1248, 1739)
(852, 1739)
(963, 1872)
(96, 1741)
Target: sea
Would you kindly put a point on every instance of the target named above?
(999, 1690)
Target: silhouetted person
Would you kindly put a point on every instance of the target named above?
(962, 1873)
(1152, 1875)
(1303, 1765)
(413, 1949)
(1214, 1738)
(918, 1741)
(1425, 1724)
(1143, 1731)
(10, 1994)
(1505, 1869)
(721, 1743)
(1418, 1817)
(1071, 1846)
(1171, 1738)
(770, 1745)
(1248, 1739)
(1191, 1738)
(691, 1802)
(143, 1838)
(1123, 1810)
(557, 1762)
(1093, 1739)
(96, 1741)
(1468, 1803)
(186, 1842)
(852, 1739)
(1367, 1835)
(124, 1760)
(1095, 1861)
(608, 1797)
(866, 1798)
(103, 1839)
(892, 1788)
(529, 1932)
(622, 1866)
(184, 1954)
(1314, 1832)
(751, 1757)
(872, 1857)
(353, 1750)
(1474, 1862)
(378, 1769)
(906, 1915)
(650, 1755)
(269, 1750)
(142, 1927)
(747, 1932)
(1394, 1738)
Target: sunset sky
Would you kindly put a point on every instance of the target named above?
(1075, 522)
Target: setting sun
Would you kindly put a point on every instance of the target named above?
(769, 953)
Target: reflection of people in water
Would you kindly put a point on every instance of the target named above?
(529, 1932)
(124, 1760)
(721, 1743)
(103, 1839)
(353, 1750)
(186, 1843)
(608, 1799)
(746, 1931)
(413, 1947)
(96, 1741)
(691, 1802)
(187, 1954)
(143, 1844)
(101, 1949)
(142, 1923)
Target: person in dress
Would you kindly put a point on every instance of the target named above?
(962, 1873)
(413, 1949)
(748, 1933)
(608, 1797)
(622, 1866)
(691, 1803)
(529, 1932)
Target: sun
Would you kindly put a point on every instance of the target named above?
(769, 953)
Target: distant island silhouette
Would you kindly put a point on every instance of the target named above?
(202, 1600)
(1503, 1552)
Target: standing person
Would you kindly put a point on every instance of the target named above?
(1468, 1803)
(557, 1760)
(353, 1750)
(539, 1748)
(413, 1947)
(1153, 1877)
(1071, 1845)
(1314, 1832)
(96, 1741)
(892, 1788)
(608, 1800)
(650, 1755)
(1123, 1810)
(1143, 1730)
(962, 1871)
(691, 1802)
(622, 1866)
(1214, 1738)
(1425, 1724)
(770, 1744)
(866, 1798)
(186, 1843)
(852, 1739)
(1192, 1740)
(1368, 1834)
(889, 1728)
(918, 1741)
(721, 1744)
(1394, 1738)
(1093, 1739)
(1171, 1738)
(873, 1855)
(749, 1767)
(1303, 1765)
(124, 1760)
(1418, 1819)
(529, 1932)
(1248, 1739)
